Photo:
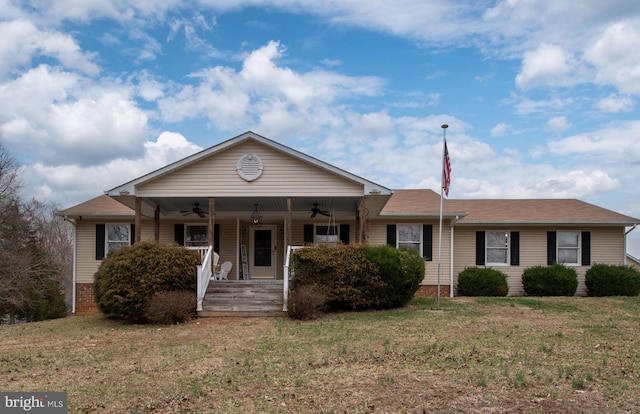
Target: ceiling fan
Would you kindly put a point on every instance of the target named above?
(315, 211)
(196, 209)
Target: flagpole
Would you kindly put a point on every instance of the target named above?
(444, 137)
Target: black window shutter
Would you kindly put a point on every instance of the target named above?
(551, 247)
(515, 248)
(480, 243)
(308, 233)
(216, 238)
(100, 241)
(427, 242)
(132, 236)
(178, 234)
(391, 235)
(344, 233)
(586, 248)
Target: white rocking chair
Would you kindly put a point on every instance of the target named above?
(225, 268)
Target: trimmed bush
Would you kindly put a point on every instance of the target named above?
(401, 269)
(478, 281)
(171, 307)
(350, 281)
(355, 277)
(128, 277)
(612, 280)
(306, 302)
(554, 280)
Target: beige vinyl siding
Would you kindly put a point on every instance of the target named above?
(606, 245)
(282, 176)
(86, 263)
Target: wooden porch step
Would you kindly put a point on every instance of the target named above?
(243, 298)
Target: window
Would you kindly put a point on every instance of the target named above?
(117, 236)
(418, 237)
(497, 247)
(327, 235)
(568, 245)
(410, 236)
(196, 236)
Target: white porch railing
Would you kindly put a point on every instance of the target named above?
(287, 275)
(205, 271)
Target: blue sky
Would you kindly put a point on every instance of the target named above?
(541, 98)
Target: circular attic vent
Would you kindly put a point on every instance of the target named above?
(249, 167)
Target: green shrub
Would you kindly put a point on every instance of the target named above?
(306, 302)
(401, 269)
(349, 280)
(478, 281)
(612, 280)
(128, 277)
(171, 307)
(356, 277)
(554, 280)
(45, 302)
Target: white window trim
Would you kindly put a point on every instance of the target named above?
(420, 230)
(106, 236)
(578, 248)
(486, 248)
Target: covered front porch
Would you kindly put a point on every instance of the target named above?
(243, 241)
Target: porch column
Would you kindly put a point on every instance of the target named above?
(138, 220)
(212, 222)
(288, 223)
(362, 233)
(156, 224)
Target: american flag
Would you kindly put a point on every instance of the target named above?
(446, 170)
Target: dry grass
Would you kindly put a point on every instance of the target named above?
(507, 355)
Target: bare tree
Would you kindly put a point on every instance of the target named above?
(57, 238)
(27, 269)
(9, 175)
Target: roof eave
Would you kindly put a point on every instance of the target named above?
(541, 223)
(458, 215)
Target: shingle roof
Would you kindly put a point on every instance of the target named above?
(99, 206)
(527, 211)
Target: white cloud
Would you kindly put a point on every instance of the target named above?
(21, 41)
(576, 184)
(558, 124)
(265, 94)
(499, 129)
(72, 183)
(548, 65)
(615, 145)
(615, 104)
(64, 116)
(615, 58)
(529, 106)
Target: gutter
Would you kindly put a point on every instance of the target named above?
(75, 251)
(624, 259)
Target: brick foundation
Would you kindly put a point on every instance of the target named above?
(431, 291)
(84, 299)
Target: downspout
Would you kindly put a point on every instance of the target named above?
(453, 222)
(75, 252)
(624, 259)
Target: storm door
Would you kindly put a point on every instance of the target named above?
(263, 252)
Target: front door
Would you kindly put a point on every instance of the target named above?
(263, 252)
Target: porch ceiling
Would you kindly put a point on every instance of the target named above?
(243, 206)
